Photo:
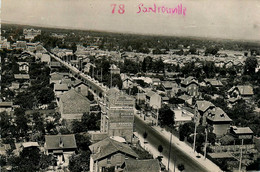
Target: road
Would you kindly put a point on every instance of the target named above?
(155, 138)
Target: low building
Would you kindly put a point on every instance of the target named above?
(153, 99)
(156, 81)
(61, 147)
(202, 108)
(80, 87)
(109, 153)
(6, 106)
(214, 82)
(46, 58)
(219, 120)
(241, 91)
(60, 89)
(23, 67)
(20, 146)
(241, 132)
(191, 86)
(180, 117)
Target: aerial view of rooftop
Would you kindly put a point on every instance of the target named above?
(130, 86)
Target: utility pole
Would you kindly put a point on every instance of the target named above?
(157, 116)
(169, 152)
(206, 140)
(194, 141)
(241, 154)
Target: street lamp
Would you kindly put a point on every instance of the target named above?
(195, 133)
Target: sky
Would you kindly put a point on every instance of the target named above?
(232, 19)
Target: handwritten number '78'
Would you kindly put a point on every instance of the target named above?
(121, 9)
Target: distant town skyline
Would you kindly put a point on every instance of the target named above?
(209, 19)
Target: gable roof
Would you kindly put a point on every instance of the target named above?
(243, 89)
(203, 105)
(214, 82)
(189, 80)
(147, 165)
(167, 84)
(150, 93)
(74, 102)
(109, 146)
(218, 115)
(53, 141)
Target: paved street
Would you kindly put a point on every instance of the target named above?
(155, 138)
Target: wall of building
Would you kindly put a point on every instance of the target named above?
(220, 129)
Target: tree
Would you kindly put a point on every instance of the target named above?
(193, 50)
(83, 141)
(5, 123)
(38, 122)
(46, 161)
(21, 121)
(80, 162)
(77, 126)
(166, 116)
(28, 160)
(45, 95)
(90, 121)
(185, 130)
(181, 167)
(160, 149)
(158, 66)
(74, 47)
(250, 65)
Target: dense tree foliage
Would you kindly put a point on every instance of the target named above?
(166, 116)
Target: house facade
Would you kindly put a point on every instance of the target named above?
(191, 86)
(109, 153)
(61, 147)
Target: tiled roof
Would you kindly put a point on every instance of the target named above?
(243, 89)
(150, 93)
(21, 76)
(147, 165)
(242, 130)
(76, 83)
(167, 84)
(184, 97)
(218, 115)
(74, 103)
(109, 146)
(5, 104)
(61, 87)
(189, 80)
(214, 82)
(203, 105)
(60, 141)
(30, 144)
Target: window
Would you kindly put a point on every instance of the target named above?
(109, 160)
